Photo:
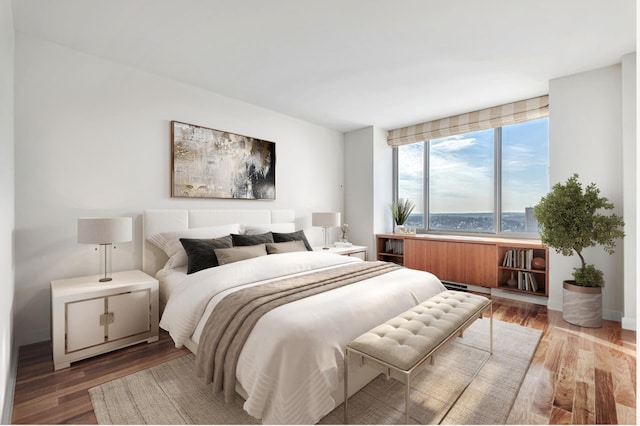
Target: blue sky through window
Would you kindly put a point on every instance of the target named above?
(461, 179)
(525, 164)
(461, 173)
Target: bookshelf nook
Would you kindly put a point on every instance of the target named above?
(523, 268)
(390, 249)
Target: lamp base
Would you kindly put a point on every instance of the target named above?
(105, 262)
(326, 237)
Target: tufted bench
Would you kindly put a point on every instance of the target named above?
(402, 344)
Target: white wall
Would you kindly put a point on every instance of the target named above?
(369, 184)
(630, 157)
(382, 182)
(93, 138)
(358, 195)
(7, 204)
(585, 132)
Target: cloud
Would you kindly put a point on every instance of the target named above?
(451, 144)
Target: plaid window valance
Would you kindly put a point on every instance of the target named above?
(516, 112)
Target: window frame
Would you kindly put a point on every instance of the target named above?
(497, 216)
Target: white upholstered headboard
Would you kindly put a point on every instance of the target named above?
(155, 221)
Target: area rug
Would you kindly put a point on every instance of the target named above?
(465, 385)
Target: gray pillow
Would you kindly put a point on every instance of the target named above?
(201, 253)
(235, 254)
(251, 240)
(282, 237)
(287, 247)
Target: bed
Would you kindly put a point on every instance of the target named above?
(290, 367)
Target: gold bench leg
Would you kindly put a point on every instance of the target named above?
(491, 328)
(406, 403)
(346, 384)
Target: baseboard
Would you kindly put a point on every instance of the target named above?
(477, 289)
(611, 315)
(629, 323)
(7, 409)
(522, 297)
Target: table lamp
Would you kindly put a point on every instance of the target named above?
(104, 231)
(326, 220)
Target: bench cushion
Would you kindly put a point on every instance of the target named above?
(406, 339)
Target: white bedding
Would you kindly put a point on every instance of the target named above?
(169, 280)
(291, 365)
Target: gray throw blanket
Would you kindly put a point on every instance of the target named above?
(234, 317)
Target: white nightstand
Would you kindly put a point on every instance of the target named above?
(90, 318)
(358, 251)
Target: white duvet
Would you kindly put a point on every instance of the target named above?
(291, 365)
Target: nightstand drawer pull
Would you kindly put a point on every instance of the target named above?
(106, 318)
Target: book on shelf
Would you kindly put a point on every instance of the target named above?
(527, 281)
(506, 262)
(394, 247)
(520, 281)
(524, 281)
(518, 258)
(534, 284)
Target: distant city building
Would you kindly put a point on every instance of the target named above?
(531, 224)
(476, 222)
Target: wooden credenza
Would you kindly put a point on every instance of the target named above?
(478, 261)
(460, 262)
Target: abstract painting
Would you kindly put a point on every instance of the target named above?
(209, 163)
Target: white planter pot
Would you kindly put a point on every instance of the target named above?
(582, 305)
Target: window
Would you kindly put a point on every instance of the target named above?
(525, 173)
(461, 181)
(411, 181)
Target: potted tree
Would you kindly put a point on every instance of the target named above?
(572, 219)
(400, 211)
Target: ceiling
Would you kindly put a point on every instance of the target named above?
(347, 64)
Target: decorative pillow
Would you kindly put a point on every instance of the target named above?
(251, 240)
(169, 242)
(201, 253)
(289, 246)
(279, 237)
(235, 254)
(272, 227)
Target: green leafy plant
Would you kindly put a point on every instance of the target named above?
(400, 210)
(570, 220)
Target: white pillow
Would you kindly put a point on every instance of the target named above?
(169, 242)
(271, 227)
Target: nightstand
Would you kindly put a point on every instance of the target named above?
(357, 251)
(90, 318)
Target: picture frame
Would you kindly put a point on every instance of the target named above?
(210, 163)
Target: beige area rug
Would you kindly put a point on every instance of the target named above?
(465, 386)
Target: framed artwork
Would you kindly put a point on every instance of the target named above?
(209, 163)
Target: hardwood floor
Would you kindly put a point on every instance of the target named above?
(577, 376)
(43, 396)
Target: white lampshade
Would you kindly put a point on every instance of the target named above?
(104, 230)
(325, 219)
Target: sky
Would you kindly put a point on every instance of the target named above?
(462, 170)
